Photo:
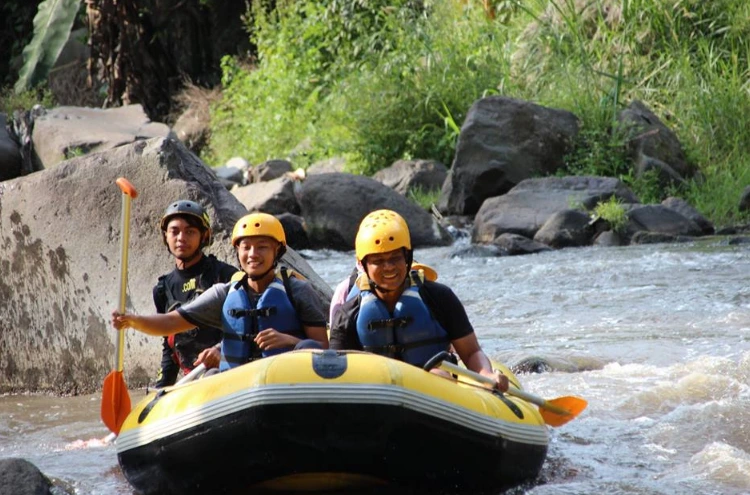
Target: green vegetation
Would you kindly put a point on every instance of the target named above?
(613, 212)
(424, 198)
(10, 101)
(382, 80)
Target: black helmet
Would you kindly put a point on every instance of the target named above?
(184, 207)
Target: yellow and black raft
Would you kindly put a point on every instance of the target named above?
(323, 420)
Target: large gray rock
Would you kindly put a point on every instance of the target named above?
(502, 142)
(334, 204)
(662, 220)
(274, 197)
(653, 146)
(405, 175)
(60, 232)
(20, 477)
(10, 154)
(686, 210)
(66, 132)
(531, 203)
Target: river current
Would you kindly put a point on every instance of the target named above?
(656, 338)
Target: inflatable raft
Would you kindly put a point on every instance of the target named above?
(323, 420)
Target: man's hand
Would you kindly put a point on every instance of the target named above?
(270, 339)
(211, 357)
(501, 381)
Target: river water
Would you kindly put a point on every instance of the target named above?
(656, 338)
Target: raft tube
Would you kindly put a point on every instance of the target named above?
(326, 420)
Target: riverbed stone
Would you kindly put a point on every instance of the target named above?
(502, 142)
(276, 196)
(654, 146)
(526, 207)
(21, 477)
(10, 154)
(60, 230)
(64, 132)
(334, 204)
(405, 175)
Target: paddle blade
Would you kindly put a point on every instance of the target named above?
(115, 401)
(557, 412)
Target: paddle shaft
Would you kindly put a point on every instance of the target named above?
(534, 399)
(124, 242)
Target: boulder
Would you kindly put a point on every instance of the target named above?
(334, 204)
(526, 207)
(686, 210)
(653, 146)
(514, 244)
(502, 142)
(60, 231)
(66, 132)
(274, 197)
(21, 477)
(329, 166)
(566, 228)
(270, 170)
(745, 200)
(295, 231)
(10, 154)
(659, 219)
(405, 175)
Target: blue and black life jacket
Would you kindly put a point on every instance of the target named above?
(410, 333)
(245, 315)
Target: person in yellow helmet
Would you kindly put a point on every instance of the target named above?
(392, 312)
(263, 312)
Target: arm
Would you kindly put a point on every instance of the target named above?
(271, 338)
(344, 327)
(159, 325)
(452, 316)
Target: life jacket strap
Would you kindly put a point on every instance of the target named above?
(390, 323)
(253, 313)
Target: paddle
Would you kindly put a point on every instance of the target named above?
(555, 412)
(115, 397)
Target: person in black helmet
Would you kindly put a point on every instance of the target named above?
(186, 230)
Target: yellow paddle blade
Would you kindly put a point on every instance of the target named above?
(557, 412)
(115, 401)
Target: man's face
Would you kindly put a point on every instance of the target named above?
(257, 254)
(387, 270)
(182, 238)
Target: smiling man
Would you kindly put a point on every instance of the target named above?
(263, 311)
(186, 231)
(394, 312)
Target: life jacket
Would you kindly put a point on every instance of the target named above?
(410, 333)
(243, 317)
(186, 346)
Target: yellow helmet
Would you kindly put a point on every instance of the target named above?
(256, 224)
(381, 231)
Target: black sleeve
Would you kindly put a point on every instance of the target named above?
(447, 309)
(160, 299)
(344, 327)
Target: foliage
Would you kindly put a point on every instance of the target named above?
(16, 30)
(613, 212)
(52, 26)
(10, 101)
(375, 81)
(424, 198)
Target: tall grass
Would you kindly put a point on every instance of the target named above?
(379, 80)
